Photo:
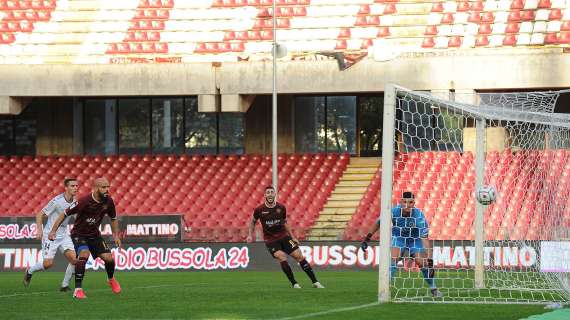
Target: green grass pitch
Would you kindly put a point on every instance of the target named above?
(227, 295)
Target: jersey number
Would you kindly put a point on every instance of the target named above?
(46, 246)
(292, 243)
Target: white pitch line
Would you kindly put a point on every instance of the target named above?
(100, 290)
(323, 313)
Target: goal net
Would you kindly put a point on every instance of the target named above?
(516, 250)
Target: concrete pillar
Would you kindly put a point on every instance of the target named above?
(236, 102)
(208, 102)
(495, 137)
(466, 96)
(13, 105)
(444, 94)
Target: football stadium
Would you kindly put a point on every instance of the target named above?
(285, 159)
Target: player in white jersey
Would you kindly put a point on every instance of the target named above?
(63, 242)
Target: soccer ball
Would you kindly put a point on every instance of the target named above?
(486, 195)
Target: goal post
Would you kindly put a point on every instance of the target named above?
(479, 209)
(512, 251)
(388, 135)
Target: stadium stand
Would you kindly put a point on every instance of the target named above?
(49, 31)
(443, 183)
(22, 17)
(216, 194)
(210, 189)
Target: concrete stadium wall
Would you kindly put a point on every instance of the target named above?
(464, 72)
(531, 69)
(106, 80)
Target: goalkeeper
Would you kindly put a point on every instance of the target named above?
(409, 232)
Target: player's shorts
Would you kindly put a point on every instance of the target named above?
(413, 245)
(285, 244)
(50, 247)
(96, 245)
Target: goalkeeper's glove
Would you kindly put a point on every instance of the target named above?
(364, 244)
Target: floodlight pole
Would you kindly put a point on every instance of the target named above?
(274, 103)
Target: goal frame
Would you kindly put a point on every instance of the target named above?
(388, 157)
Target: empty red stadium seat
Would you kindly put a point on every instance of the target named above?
(481, 40)
(437, 7)
(428, 42)
(463, 6)
(477, 6)
(564, 38)
(390, 8)
(528, 15)
(431, 31)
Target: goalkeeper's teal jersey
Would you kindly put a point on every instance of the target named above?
(414, 226)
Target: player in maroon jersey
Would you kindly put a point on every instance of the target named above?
(278, 237)
(89, 213)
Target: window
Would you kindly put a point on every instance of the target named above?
(157, 125)
(25, 131)
(449, 130)
(6, 135)
(201, 129)
(167, 125)
(100, 126)
(341, 124)
(231, 133)
(310, 124)
(325, 124)
(370, 123)
(18, 133)
(416, 126)
(134, 125)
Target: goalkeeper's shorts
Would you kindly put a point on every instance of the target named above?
(413, 245)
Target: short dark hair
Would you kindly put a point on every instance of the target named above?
(269, 187)
(407, 195)
(66, 181)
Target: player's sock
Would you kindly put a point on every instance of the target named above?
(68, 273)
(308, 270)
(110, 268)
(288, 272)
(429, 274)
(429, 280)
(79, 271)
(39, 266)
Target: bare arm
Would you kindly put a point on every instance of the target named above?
(115, 231)
(40, 225)
(374, 228)
(251, 228)
(290, 232)
(56, 225)
(371, 231)
(426, 244)
(424, 232)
